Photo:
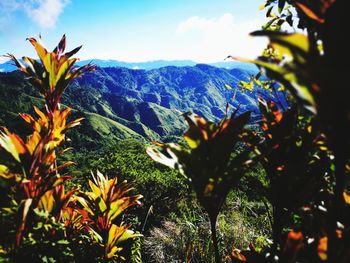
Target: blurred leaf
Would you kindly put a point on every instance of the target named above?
(322, 248)
(346, 197)
(310, 13)
(269, 11)
(228, 87)
(207, 164)
(281, 4)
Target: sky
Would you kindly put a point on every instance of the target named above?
(135, 30)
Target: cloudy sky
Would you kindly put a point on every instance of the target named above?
(135, 30)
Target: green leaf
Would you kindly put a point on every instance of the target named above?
(63, 242)
(268, 13)
(269, 23)
(289, 79)
(281, 4)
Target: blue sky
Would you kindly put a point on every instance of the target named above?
(135, 30)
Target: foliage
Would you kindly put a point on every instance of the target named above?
(208, 164)
(186, 237)
(120, 104)
(302, 148)
(162, 188)
(300, 185)
(260, 86)
(318, 229)
(306, 171)
(40, 220)
(54, 73)
(100, 208)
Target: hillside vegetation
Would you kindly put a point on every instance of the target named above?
(119, 103)
(260, 174)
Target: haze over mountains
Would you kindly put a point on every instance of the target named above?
(119, 103)
(8, 66)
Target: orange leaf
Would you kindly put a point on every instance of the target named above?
(310, 13)
(322, 248)
(293, 235)
(26, 206)
(13, 144)
(238, 255)
(42, 116)
(346, 197)
(33, 142)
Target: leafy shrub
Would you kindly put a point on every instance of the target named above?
(207, 164)
(40, 220)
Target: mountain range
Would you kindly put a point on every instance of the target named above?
(119, 103)
(8, 66)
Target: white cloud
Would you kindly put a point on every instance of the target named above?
(212, 39)
(42, 12)
(47, 12)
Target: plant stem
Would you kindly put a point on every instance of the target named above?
(268, 213)
(277, 226)
(150, 210)
(214, 238)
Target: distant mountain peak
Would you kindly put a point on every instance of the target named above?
(8, 66)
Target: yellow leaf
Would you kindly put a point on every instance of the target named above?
(102, 205)
(94, 188)
(50, 64)
(83, 202)
(116, 209)
(47, 201)
(127, 234)
(346, 197)
(301, 90)
(192, 143)
(286, 43)
(112, 252)
(5, 172)
(33, 142)
(13, 144)
(3, 169)
(64, 67)
(228, 86)
(114, 234)
(262, 6)
(40, 50)
(42, 116)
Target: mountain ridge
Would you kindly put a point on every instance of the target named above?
(8, 66)
(120, 103)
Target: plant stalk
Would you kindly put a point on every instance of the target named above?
(214, 237)
(277, 226)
